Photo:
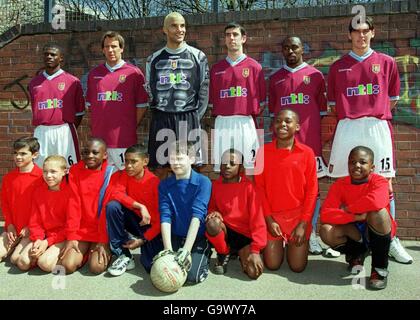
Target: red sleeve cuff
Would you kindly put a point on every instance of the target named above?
(254, 248)
(73, 236)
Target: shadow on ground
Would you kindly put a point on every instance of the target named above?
(319, 272)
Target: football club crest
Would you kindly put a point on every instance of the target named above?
(122, 78)
(61, 86)
(306, 79)
(174, 64)
(376, 68)
(245, 72)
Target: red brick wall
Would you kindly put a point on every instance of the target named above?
(325, 39)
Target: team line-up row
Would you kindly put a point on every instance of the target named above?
(90, 213)
(363, 88)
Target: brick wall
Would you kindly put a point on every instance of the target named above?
(323, 31)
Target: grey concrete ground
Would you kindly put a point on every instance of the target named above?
(323, 278)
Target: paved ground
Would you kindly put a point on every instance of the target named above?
(323, 279)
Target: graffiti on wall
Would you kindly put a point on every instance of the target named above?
(78, 57)
(17, 82)
(408, 108)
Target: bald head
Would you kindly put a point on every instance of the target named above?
(294, 39)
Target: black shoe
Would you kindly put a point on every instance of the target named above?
(221, 264)
(376, 281)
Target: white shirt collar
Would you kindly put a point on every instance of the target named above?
(363, 57)
(299, 67)
(241, 58)
(54, 75)
(116, 67)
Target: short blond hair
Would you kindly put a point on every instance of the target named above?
(57, 158)
(170, 17)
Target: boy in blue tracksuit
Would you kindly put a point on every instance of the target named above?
(183, 201)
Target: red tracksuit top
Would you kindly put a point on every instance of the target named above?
(87, 184)
(127, 190)
(54, 216)
(288, 183)
(241, 209)
(16, 196)
(358, 198)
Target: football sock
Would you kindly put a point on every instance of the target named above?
(219, 242)
(351, 248)
(379, 244)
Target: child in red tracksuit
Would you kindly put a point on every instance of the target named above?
(134, 208)
(52, 218)
(288, 182)
(355, 203)
(90, 178)
(16, 198)
(235, 222)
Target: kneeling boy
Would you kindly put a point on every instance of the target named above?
(235, 223)
(355, 203)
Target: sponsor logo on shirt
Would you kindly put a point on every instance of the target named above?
(233, 92)
(122, 78)
(344, 70)
(363, 90)
(61, 86)
(295, 98)
(376, 68)
(245, 72)
(173, 78)
(110, 96)
(50, 104)
(306, 79)
(219, 72)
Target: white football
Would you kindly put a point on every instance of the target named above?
(166, 274)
